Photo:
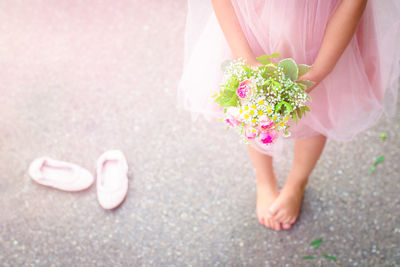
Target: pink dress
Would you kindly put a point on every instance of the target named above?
(362, 86)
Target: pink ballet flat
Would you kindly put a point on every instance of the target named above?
(112, 179)
(60, 174)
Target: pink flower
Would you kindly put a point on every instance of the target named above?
(265, 125)
(245, 89)
(231, 121)
(250, 133)
(268, 137)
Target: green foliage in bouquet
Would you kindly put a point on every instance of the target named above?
(228, 97)
(278, 82)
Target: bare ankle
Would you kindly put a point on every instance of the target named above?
(297, 181)
(265, 177)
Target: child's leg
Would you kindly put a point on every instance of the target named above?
(306, 154)
(267, 187)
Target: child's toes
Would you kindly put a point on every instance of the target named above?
(273, 210)
(286, 226)
(293, 219)
(268, 223)
(273, 225)
(276, 225)
(280, 216)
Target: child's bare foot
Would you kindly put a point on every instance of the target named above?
(267, 192)
(286, 207)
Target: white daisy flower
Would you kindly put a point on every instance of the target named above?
(275, 117)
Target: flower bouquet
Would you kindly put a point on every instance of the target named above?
(260, 101)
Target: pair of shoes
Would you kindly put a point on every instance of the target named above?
(111, 172)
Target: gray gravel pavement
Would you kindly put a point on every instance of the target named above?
(79, 79)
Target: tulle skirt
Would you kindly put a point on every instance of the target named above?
(362, 86)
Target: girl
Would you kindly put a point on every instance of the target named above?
(351, 45)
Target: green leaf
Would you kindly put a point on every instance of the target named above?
(228, 93)
(230, 89)
(232, 84)
(302, 86)
(248, 69)
(288, 106)
(267, 82)
(299, 113)
(275, 55)
(265, 59)
(379, 160)
(303, 110)
(316, 243)
(227, 98)
(234, 101)
(329, 257)
(308, 258)
(289, 68)
(277, 84)
(270, 66)
(303, 69)
(372, 170)
(278, 107)
(307, 83)
(294, 117)
(383, 136)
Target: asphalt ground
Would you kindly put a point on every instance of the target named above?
(78, 78)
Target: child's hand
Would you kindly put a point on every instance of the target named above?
(254, 63)
(314, 75)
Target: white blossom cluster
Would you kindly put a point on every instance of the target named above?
(287, 90)
(266, 99)
(235, 69)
